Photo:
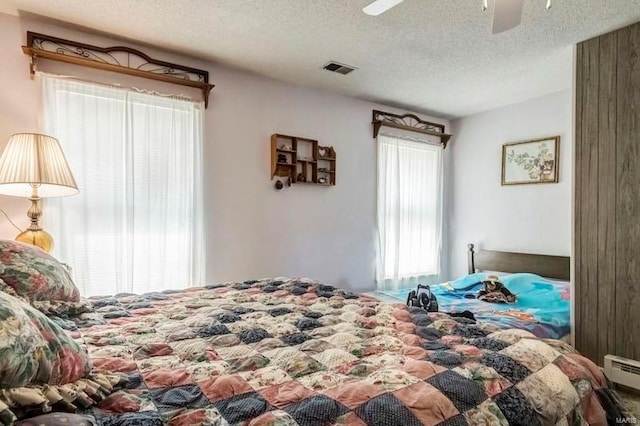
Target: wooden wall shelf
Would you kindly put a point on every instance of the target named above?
(299, 159)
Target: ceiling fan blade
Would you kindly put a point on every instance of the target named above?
(380, 6)
(507, 14)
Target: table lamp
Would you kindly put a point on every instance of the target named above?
(33, 166)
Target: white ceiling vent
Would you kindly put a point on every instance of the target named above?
(334, 66)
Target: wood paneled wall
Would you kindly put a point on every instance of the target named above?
(607, 195)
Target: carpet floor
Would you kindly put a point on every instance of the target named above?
(631, 402)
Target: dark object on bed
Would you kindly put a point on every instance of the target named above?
(557, 267)
(423, 298)
(494, 291)
(464, 314)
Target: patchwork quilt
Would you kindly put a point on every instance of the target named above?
(297, 352)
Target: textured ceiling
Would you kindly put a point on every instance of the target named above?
(435, 56)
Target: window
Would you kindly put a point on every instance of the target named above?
(409, 211)
(136, 225)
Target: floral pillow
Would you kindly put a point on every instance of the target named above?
(35, 350)
(41, 367)
(35, 275)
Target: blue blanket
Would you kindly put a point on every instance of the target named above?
(541, 306)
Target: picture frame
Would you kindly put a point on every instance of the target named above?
(531, 161)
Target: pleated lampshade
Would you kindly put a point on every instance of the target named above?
(33, 159)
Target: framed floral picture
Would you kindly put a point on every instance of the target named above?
(534, 161)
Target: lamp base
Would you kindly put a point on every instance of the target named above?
(38, 238)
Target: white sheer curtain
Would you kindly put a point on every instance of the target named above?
(137, 224)
(409, 212)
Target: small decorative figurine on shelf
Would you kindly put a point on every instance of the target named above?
(326, 152)
(286, 147)
(300, 178)
(322, 180)
(282, 158)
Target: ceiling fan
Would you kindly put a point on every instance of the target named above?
(507, 14)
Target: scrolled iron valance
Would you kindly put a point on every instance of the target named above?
(409, 122)
(123, 60)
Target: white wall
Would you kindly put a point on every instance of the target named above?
(524, 218)
(252, 230)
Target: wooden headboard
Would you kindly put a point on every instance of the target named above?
(556, 267)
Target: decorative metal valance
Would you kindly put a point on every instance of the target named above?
(124, 60)
(410, 123)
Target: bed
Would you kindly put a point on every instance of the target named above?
(540, 282)
(293, 351)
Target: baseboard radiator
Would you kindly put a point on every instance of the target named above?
(622, 371)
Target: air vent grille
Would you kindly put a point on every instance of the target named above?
(626, 367)
(343, 69)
